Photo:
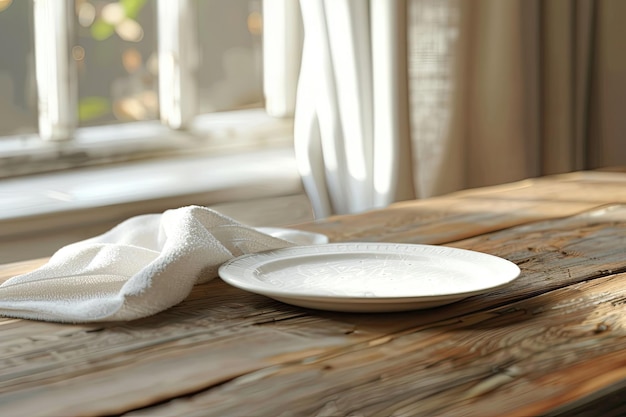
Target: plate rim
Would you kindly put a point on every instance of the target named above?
(243, 283)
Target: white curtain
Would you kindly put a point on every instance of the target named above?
(351, 117)
(400, 99)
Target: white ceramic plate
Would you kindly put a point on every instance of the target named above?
(368, 277)
(298, 237)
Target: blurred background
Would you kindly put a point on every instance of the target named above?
(484, 92)
(116, 56)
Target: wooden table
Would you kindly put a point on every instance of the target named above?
(552, 343)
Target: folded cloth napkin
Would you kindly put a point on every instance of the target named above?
(140, 267)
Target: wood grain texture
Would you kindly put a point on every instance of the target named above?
(552, 342)
(535, 354)
(470, 213)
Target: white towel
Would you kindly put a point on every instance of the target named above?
(140, 267)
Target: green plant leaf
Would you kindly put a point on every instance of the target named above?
(132, 7)
(101, 30)
(90, 108)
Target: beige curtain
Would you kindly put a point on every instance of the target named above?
(499, 91)
(503, 90)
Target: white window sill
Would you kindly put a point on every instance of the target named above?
(63, 207)
(212, 133)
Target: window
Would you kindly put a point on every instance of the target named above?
(115, 52)
(87, 81)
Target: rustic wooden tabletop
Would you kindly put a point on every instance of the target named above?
(551, 343)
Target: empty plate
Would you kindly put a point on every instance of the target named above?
(368, 277)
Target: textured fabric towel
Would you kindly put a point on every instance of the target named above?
(140, 267)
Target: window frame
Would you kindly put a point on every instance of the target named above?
(61, 144)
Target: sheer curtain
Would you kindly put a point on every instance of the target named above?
(351, 117)
(498, 90)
